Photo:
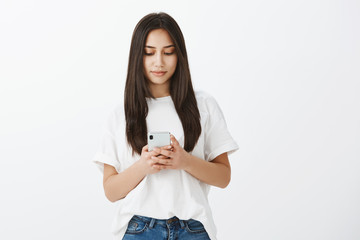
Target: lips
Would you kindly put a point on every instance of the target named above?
(158, 73)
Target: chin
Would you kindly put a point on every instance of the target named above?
(158, 81)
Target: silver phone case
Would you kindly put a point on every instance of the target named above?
(159, 139)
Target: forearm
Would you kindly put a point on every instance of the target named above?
(213, 173)
(119, 185)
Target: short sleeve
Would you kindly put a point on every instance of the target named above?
(108, 151)
(218, 140)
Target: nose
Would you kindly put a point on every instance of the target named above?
(159, 60)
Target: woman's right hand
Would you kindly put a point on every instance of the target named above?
(146, 163)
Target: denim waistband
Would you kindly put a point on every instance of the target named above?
(164, 222)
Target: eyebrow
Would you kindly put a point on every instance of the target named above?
(169, 46)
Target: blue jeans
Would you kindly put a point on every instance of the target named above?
(140, 227)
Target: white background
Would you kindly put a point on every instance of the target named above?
(286, 74)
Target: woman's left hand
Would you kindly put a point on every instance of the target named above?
(171, 157)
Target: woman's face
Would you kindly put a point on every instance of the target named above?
(160, 61)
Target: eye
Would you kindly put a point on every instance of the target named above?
(169, 53)
(149, 54)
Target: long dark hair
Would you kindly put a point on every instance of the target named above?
(137, 89)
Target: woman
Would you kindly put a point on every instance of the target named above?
(162, 194)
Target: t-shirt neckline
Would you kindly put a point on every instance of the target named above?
(159, 99)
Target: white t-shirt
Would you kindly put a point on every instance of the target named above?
(167, 193)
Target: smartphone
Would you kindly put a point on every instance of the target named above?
(158, 139)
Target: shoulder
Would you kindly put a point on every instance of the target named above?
(118, 109)
(202, 95)
(116, 117)
(206, 102)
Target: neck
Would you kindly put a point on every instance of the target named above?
(159, 91)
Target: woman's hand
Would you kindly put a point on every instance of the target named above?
(170, 157)
(148, 164)
(216, 172)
